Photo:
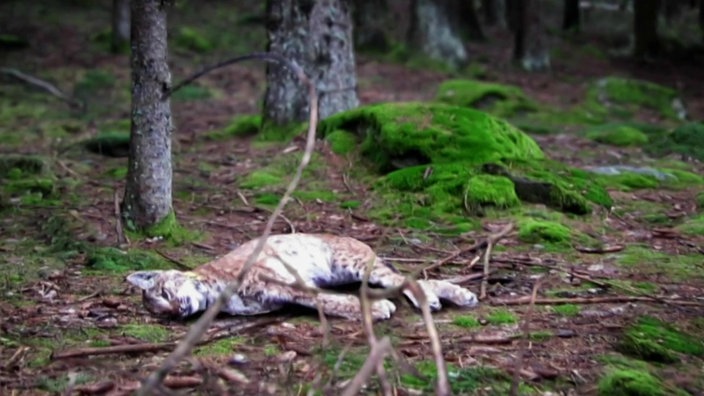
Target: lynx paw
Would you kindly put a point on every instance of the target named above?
(382, 309)
(433, 299)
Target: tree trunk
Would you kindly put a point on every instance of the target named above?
(432, 32)
(645, 27)
(570, 15)
(511, 13)
(530, 39)
(120, 37)
(463, 17)
(317, 34)
(490, 11)
(371, 18)
(147, 198)
(701, 16)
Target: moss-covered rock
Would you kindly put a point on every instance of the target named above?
(40, 185)
(631, 382)
(687, 140)
(342, 142)
(617, 135)
(538, 231)
(243, 125)
(456, 161)
(498, 99)
(13, 166)
(654, 340)
(622, 96)
(396, 135)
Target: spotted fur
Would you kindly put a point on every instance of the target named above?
(320, 260)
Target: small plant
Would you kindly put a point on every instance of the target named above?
(502, 317)
(466, 321)
(567, 309)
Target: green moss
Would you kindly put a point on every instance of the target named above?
(109, 259)
(341, 142)
(192, 92)
(93, 81)
(615, 91)
(244, 125)
(13, 166)
(617, 135)
(191, 39)
(119, 173)
(693, 226)
(498, 99)
(267, 199)
(11, 41)
(483, 190)
(321, 195)
(540, 336)
(537, 231)
(654, 340)
(567, 309)
(430, 133)
(109, 143)
(146, 332)
(38, 185)
(502, 317)
(687, 140)
(631, 382)
(170, 229)
(260, 178)
(463, 381)
(350, 204)
(223, 347)
(466, 321)
(346, 365)
(645, 261)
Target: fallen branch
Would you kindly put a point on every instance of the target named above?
(200, 327)
(174, 260)
(490, 242)
(109, 350)
(44, 85)
(526, 340)
(377, 353)
(592, 300)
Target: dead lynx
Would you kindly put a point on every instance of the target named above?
(320, 260)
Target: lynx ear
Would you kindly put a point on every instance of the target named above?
(144, 280)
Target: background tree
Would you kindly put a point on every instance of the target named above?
(147, 200)
(530, 40)
(491, 9)
(570, 15)
(371, 17)
(645, 27)
(318, 36)
(434, 32)
(120, 37)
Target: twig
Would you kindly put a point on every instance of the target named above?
(443, 386)
(243, 198)
(109, 350)
(119, 230)
(592, 300)
(200, 327)
(46, 86)
(174, 260)
(600, 250)
(490, 242)
(377, 353)
(526, 340)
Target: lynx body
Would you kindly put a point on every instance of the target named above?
(319, 260)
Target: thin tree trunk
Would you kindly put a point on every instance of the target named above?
(512, 14)
(433, 33)
(147, 198)
(490, 11)
(120, 37)
(645, 27)
(318, 36)
(530, 39)
(701, 17)
(570, 15)
(463, 17)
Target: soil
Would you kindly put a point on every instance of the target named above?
(68, 307)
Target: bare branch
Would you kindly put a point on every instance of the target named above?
(44, 85)
(376, 355)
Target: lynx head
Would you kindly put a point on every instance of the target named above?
(170, 293)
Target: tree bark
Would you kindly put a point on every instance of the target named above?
(147, 198)
(645, 27)
(120, 37)
(433, 32)
(317, 34)
(570, 15)
(530, 39)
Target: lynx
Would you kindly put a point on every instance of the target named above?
(319, 261)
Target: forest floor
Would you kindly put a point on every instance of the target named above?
(59, 315)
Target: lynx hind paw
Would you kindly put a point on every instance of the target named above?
(456, 294)
(433, 299)
(382, 309)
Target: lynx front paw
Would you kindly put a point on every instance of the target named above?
(382, 309)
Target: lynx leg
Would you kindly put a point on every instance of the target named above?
(344, 305)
